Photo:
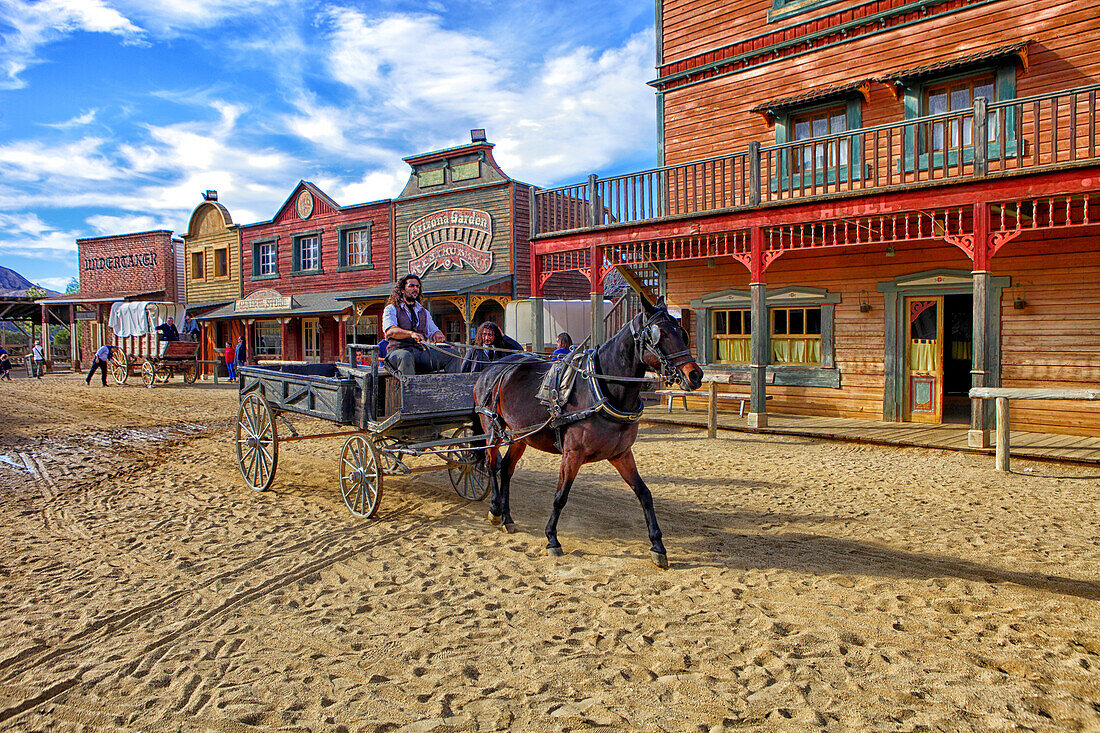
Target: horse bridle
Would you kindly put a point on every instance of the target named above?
(647, 337)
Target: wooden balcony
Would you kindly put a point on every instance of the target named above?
(1017, 137)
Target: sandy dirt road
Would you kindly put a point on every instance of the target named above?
(813, 585)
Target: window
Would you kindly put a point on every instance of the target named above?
(307, 251)
(221, 263)
(956, 96)
(267, 339)
(311, 339)
(786, 8)
(816, 164)
(196, 265)
(427, 178)
(732, 331)
(363, 331)
(357, 247)
(265, 258)
(796, 336)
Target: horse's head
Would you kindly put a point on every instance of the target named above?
(662, 345)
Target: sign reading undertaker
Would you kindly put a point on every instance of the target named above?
(451, 239)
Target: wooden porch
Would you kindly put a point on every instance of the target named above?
(1036, 446)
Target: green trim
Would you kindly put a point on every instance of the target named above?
(660, 128)
(296, 252)
(342, 245)
(270, 276)
(1004, 89)
(782, 9)
(853, 120)
(256, 244)
(353, 268)
(894, 294)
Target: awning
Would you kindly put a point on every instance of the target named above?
(439, 285)
(770, 110)
(301, 304)
(992, 56)
(77, 298)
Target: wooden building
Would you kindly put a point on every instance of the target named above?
(140, 266)
(296, 271)
(212, 272)
(865, 208)
(463, 225)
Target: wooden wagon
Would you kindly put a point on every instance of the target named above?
(385, 419)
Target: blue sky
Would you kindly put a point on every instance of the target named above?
(116, 114)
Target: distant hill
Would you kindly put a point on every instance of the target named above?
(12, 283)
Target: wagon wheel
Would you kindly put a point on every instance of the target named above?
(164, 373)
(148, 373)
(467, 474)
(190, 373)
(119, 364)
(257, 442)
(360, 476)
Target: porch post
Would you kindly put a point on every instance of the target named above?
(759, 345)
(74, 356)
(538, 338)
(595, 261)
(46, 334)
(978, 436)
(341, 336)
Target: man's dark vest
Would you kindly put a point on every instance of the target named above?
(405, 321)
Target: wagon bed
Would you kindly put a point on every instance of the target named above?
(389, 417)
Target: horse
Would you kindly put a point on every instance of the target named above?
(597, 423)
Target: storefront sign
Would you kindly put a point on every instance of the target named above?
(86, 315)
(451, 239)
(304, 205)
(119, 262)
(263, 300)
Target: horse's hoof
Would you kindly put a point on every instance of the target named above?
(554, 551)
(495, 519)
(510, 527)
(660, 559)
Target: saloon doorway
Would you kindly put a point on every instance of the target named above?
(938, 358)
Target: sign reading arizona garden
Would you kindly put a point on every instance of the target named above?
(451, 239)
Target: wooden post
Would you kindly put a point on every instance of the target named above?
(712, 410)
(538, 338)
(753, 162)
(981, 340)
(597, 319)
(1002, 434)
(981, 162)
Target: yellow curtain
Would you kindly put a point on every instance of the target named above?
(796, 351)
(960, 349)
(781, 352)
(733, 351)
(922, 355)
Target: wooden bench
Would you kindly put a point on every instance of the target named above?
(672, 394)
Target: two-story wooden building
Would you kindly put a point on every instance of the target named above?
(865, 208)
(296, 271)
(212, 272)
(464, 226)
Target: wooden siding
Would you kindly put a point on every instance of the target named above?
(495, 201)
(287, 225)
(522, 208)
(1053, 342)
(208, 232)
(712, 118)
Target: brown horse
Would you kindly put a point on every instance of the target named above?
(597, 423)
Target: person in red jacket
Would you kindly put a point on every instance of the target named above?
(231, 360)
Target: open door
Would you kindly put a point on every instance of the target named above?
(924, 360)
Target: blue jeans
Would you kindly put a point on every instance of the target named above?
(232, 367)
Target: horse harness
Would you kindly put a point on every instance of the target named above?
(560, 380)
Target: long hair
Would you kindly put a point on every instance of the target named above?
(398, 295)
(498, 335)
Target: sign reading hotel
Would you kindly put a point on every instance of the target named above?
(263, 300)
(451, 239)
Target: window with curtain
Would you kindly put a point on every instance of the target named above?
(956, 96)
(796, 336)
(357, 243)
(732, 333)
(819, 156)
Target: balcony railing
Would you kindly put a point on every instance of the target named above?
(1014, 136)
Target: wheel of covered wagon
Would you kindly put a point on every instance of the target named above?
(119, 365)
(190, 373)
(164, 373)
(257, 442)
(148, 373)
(361, 476)
(467, 473)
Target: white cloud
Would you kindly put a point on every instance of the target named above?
(34, 24)
(565, 114)
(54, 283)
(104, 224)
(32, 160)
(85, 118)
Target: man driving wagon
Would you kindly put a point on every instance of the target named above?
(409, 328)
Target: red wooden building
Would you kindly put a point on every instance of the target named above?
(296, 268)
(865, 208)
